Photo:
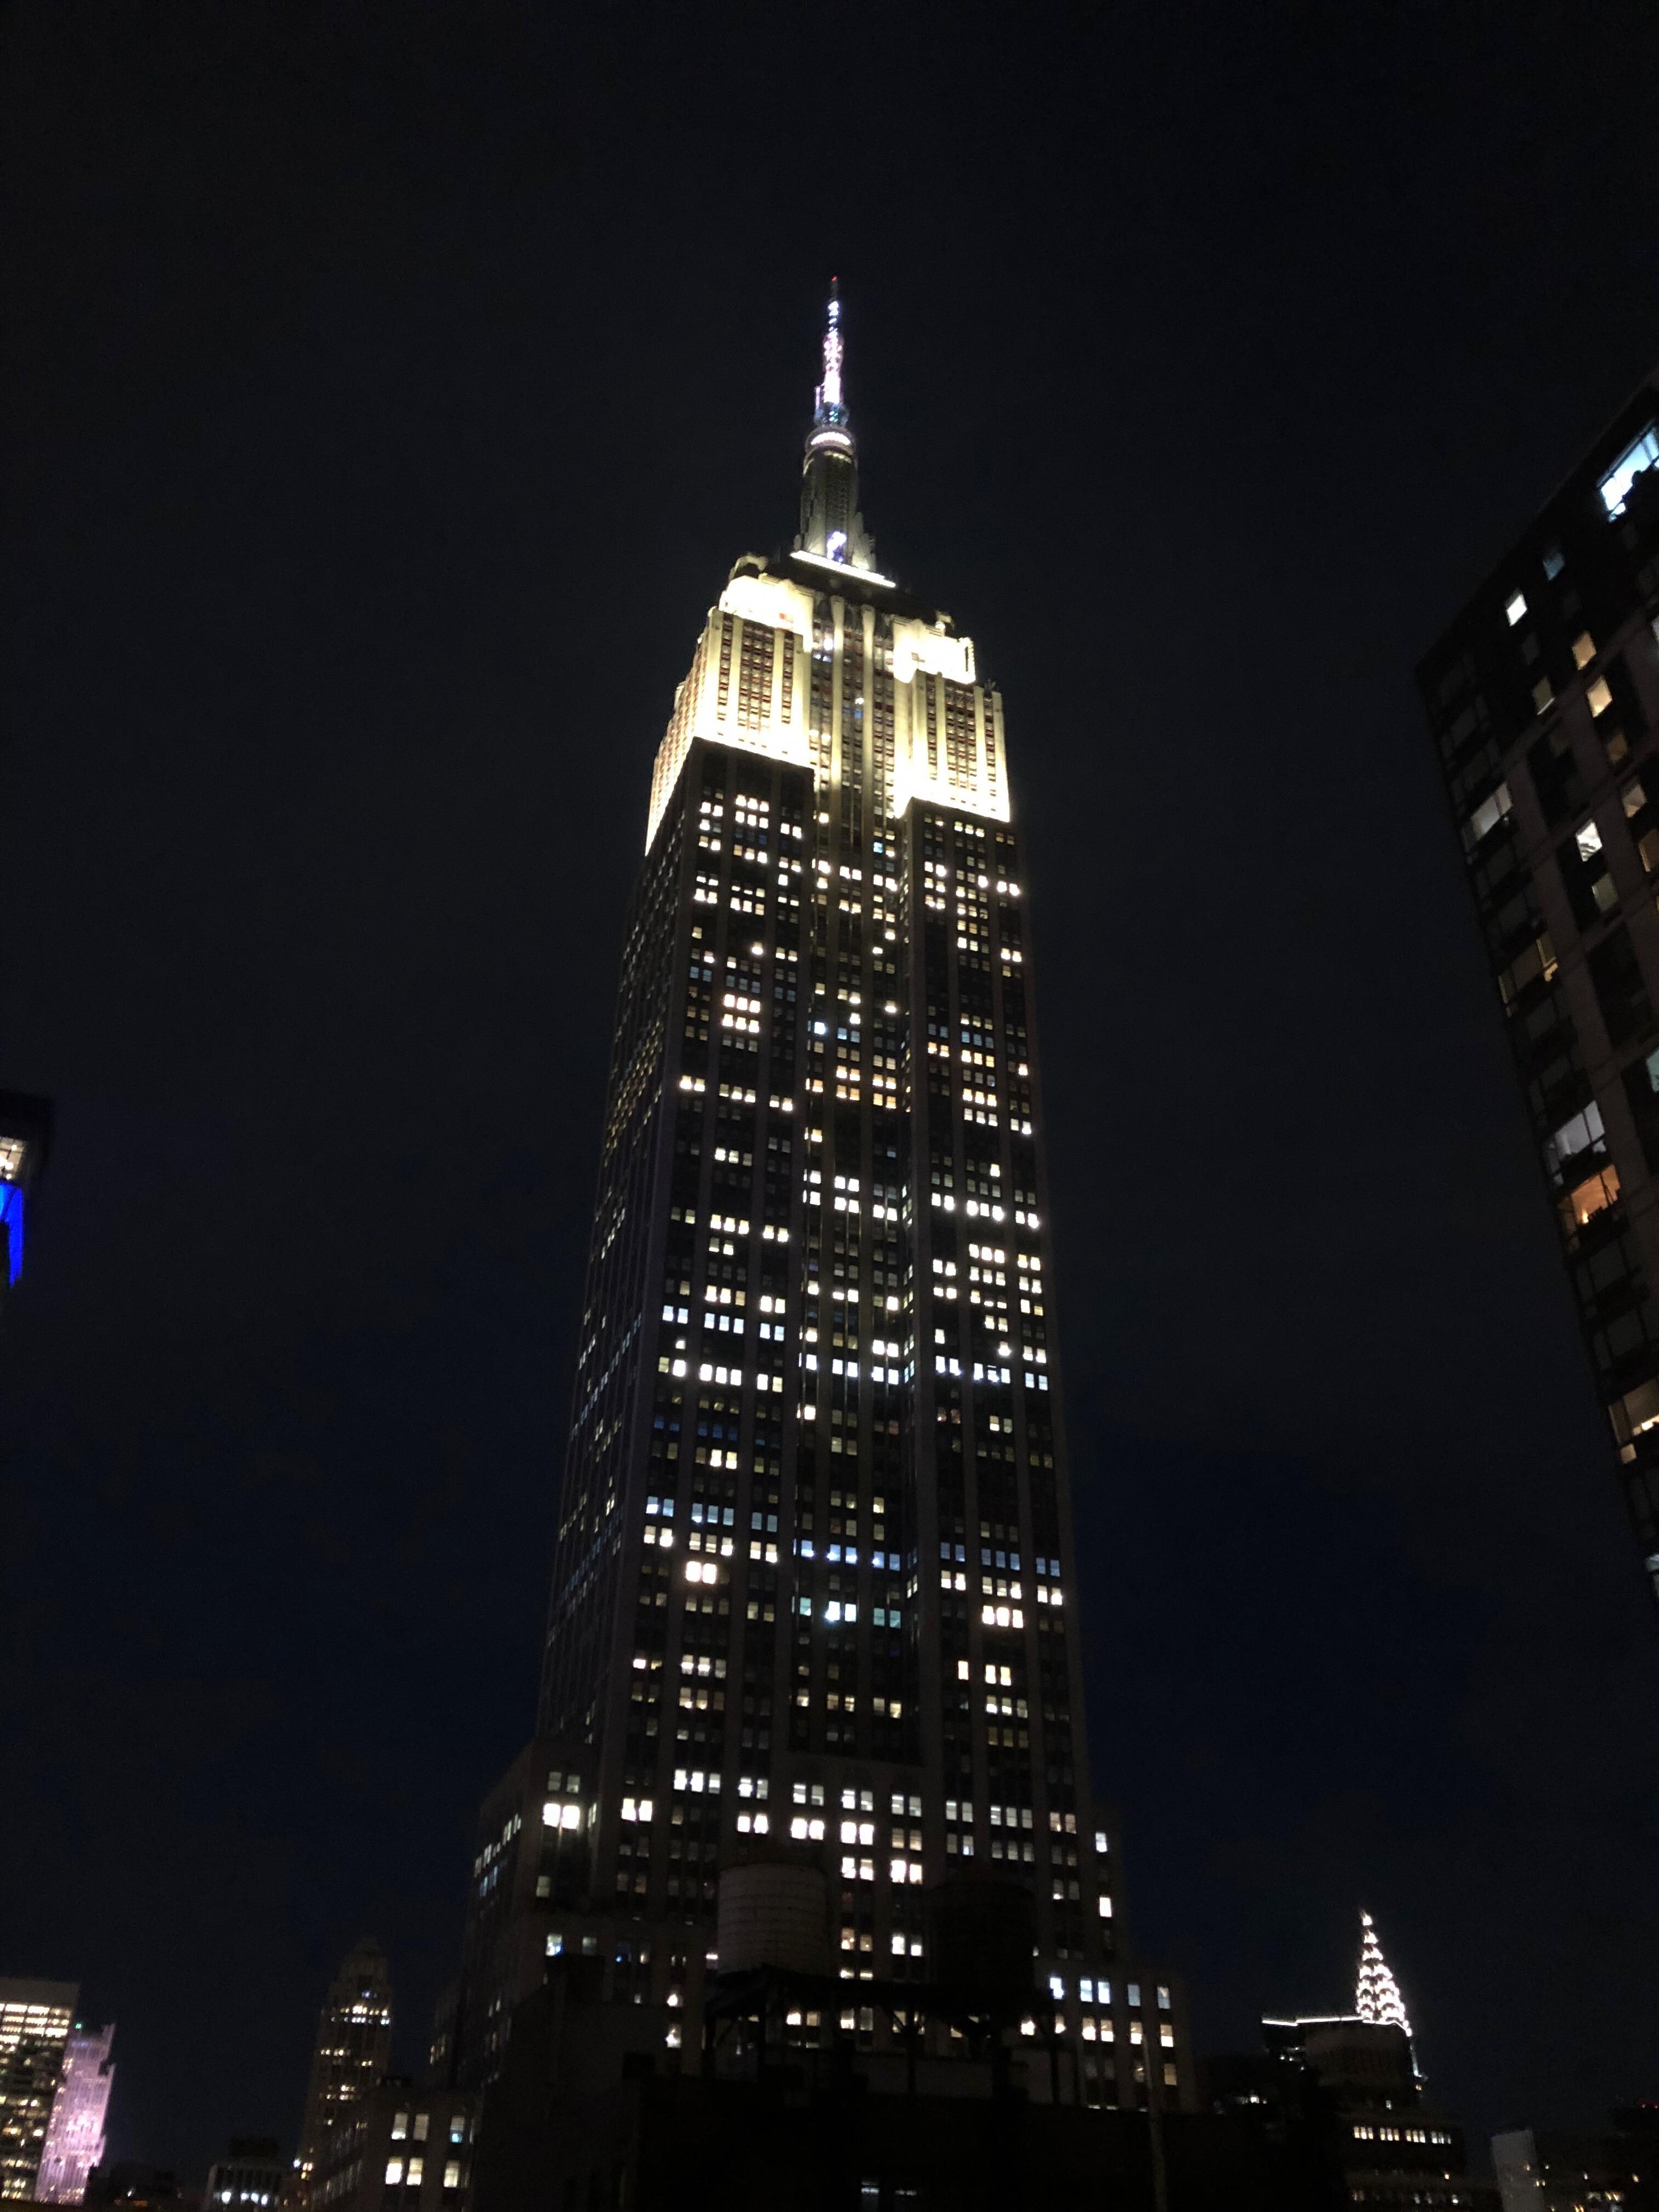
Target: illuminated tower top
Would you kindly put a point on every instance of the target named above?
(831, 527)
(1376, 1996)
(828, 411)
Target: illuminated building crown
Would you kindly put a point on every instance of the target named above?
(1376, 1994)
(831, 527)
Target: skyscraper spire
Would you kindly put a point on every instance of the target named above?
(831, 527)
(829, 412)
(1376, 1996)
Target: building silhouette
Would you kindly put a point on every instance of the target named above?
(1543, 696)
(352, 2055)
(811, 1751)
(1570, 2170)
(250, 2178)
(1356, 2082)
(397, 2145)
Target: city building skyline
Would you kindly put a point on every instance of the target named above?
(814, 1595)
(1542, 697)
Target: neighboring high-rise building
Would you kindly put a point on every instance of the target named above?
(814, 1596)
(1345, 2088)
(1561, 2170)
(1357, 2081)
(1543, 697)
(250, 2180)
(532, 1859)
(353, 2053)
(25, 1141)
(416, 2142)
(35, 2019)
(74, 2133)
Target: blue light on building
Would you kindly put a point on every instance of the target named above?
(11, 1219)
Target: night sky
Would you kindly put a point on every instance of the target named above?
(388, 390)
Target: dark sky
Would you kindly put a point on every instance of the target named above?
(388, 390)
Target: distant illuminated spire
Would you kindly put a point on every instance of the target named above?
(831, 527)
(1378, 1997)
(828, 407)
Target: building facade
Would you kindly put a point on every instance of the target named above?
(814, 1595)
(530, 1866)
(35, 2020)
(74, 2133)
(251, 2178)
(1566, 2170)
(1543, 697)
(1357, 2081)
(352, 2057)
(397, 2148)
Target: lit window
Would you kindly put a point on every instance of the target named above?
(453, 2174)
(1615, 485)
(1600, 696)
(1583, 649)
(1575, 1135)
(1516, 608)
(421, 2122)
(1589, 840)
(399, 2127)
(394, 2171)
(416, 2168)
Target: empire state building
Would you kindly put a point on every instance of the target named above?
(814, 1597)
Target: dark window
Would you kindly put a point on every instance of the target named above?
(1619, 990)
(1555, 776)
(1642, 1093)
